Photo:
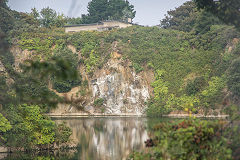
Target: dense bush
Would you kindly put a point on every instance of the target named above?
(233, 78)
(4, 127)
(32, 130)
(188, 139)
(195, 86)
(63, 86)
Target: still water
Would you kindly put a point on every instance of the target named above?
(100, 139)
(107, 138)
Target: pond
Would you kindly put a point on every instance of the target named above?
(101, 138)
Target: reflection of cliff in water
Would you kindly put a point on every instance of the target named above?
(108, 138)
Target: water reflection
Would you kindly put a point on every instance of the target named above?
(107, 138)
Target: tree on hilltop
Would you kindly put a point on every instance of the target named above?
(226, 10)
(99, 10)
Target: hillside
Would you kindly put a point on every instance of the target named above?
(180, 67)
(117, 68)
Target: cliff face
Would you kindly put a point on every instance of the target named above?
(121, 88)
(117, 88)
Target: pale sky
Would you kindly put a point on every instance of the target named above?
(149, 12)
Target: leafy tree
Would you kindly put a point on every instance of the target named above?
(182, 18)
(187, 18)
(35, 14)
(120, 10)
(60, 20)
(3, 3)
(99, 10)
(32, 129)
(225, 10)
(48, 17)
(6, 18)
(204, 21)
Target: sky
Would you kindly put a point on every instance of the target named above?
(149, 12)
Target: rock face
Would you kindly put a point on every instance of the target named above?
(119, 88)
(2, 68)
(20, 56)
(122, 90)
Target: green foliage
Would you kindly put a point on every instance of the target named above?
(182, 18)
(159, 107)
(5, 98)
(4, 126)
(233, 77)
(65, 86)
(226, 10)
(189, 139)
(91, 62)
(140, 156)
(120, 10)
(60, 85)
(195, 86)
(237, 49)
(27, 127)
(63, 134)
(99, 102)
(33, 91)
(48, 17)
(138, 68)
(38, 45)
(30, 127)
(212, 93)
(204, 21)
(187, 18)
(3, 3)
(73, 20)
(150, 65)
(99, 10)
(6, 18)
(178, 55)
